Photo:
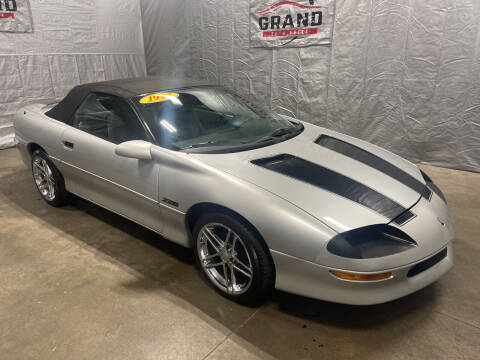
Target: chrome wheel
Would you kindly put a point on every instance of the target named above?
(224, 258)
(43, 177)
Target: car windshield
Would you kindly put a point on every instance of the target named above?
(209, 117)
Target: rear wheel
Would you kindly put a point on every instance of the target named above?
(233, 259)
(48, 179)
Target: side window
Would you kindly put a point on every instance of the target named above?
(108, 117)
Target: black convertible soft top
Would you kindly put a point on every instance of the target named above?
(125, 88)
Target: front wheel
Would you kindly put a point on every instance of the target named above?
(233, 259)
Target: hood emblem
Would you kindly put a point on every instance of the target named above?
(441, 221)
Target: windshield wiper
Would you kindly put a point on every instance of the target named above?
(279, 133)
(210, 143)
(283, 131)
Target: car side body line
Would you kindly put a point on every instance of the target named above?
(118, 185)
(120, 214)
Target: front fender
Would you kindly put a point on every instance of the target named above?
(187, 181)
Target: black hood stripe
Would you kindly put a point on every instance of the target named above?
(375, 162)
(334, 182)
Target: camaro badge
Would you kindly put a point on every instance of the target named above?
(153, 98)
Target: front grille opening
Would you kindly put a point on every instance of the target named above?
(426, 264)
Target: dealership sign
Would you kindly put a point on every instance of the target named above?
(291, 23)
(15, 16)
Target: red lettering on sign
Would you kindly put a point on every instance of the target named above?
(295, 32)
(5, 15)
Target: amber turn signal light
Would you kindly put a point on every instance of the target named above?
(361, 277)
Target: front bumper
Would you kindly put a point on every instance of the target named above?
(312, 280)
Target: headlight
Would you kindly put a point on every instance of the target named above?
(370, 242)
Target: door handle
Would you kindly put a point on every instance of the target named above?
(67, 144)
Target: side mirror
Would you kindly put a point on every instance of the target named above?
(135, 149)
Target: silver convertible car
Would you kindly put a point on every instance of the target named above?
(264, 200)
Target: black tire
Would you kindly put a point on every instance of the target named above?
(263, 280)
(60, 196)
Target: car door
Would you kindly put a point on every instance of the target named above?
(93, 171)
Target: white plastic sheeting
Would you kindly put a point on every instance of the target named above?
(15, 16)
(403, 74)
(73, 42)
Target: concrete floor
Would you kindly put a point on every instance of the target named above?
(82, 283)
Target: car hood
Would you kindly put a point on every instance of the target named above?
(340, 180)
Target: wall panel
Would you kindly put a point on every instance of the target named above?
(403, 74)
(73, 42)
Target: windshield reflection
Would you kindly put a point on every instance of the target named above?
(210, 116)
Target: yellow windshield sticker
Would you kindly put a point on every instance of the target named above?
(153, 98)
